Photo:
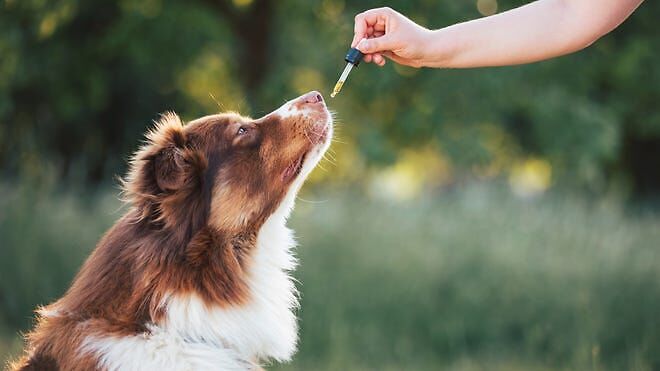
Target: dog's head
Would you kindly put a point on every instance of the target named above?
(228, 171)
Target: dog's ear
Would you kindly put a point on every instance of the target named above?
(165, 164)
(169, 169)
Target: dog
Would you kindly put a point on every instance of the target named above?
(196, 274)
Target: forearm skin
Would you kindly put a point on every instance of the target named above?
(540, 30)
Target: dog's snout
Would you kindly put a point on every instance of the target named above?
(312, 97)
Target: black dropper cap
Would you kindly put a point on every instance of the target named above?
(354, 56)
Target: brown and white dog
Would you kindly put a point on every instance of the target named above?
(195, 276)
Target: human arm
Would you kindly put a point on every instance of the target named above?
(539, 30)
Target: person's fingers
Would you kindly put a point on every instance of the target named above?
(367, 58)
(373, 16)
(380, 25)
(370, 18)
(359, 30)
(356, 39)
(363, 22)
(369, 32)
(378, 59)
(376, 44)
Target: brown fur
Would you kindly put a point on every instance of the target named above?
(198, 195)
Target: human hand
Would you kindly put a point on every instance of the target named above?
(388, 33)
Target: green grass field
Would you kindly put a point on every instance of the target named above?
(472, 279)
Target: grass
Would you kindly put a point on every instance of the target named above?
(473, 279)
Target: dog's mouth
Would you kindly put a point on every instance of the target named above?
(294, 169)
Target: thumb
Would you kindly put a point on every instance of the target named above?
(377, 44)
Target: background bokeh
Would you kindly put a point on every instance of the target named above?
(486, 219)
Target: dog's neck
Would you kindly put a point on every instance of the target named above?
(262, 327)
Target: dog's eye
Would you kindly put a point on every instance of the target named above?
(242, 131)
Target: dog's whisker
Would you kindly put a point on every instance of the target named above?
(222, 108)
(328, 156)
(329, 161)
(308, 138)
(311, 201)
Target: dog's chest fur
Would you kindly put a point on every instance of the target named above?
(194, 335)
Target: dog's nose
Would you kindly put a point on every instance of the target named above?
(312, 97)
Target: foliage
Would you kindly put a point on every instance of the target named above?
(44, 240)
(80, 80)
(469, 279)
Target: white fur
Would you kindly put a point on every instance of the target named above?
(196, 337)
(49, 311)
(291, 109)
(286, 110)
(161, 351)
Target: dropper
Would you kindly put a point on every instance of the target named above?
(353, 58)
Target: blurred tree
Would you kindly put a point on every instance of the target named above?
(80, 81)
(251, 24)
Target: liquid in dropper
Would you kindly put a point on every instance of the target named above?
(337, 89)
(342, 79)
